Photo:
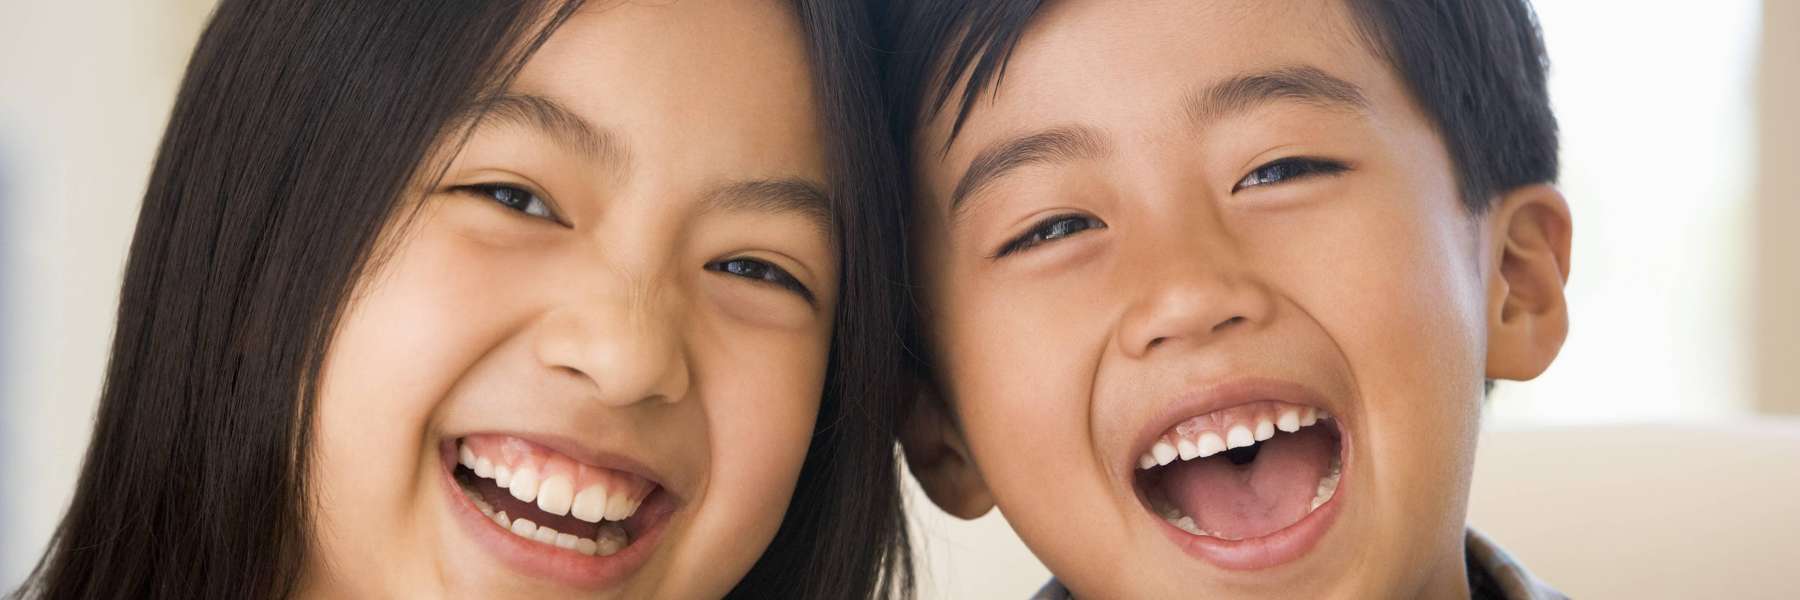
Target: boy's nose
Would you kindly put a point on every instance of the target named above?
(1189, 302)
(630, 351)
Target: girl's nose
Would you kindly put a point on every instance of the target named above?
(629, 350)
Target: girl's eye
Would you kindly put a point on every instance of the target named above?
(1286, 169)
(513, 197)
(750, 268)
(1049, 230)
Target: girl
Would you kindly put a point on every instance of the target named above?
(504, 298)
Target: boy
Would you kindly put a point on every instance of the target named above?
(1211, 290)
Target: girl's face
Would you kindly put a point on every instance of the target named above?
(592, 361)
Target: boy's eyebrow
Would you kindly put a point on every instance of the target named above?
(1249, 90)
(1058, 144)
(1234, 95)
(789, 195)
(558, 122)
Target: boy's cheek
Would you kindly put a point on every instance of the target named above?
(1020, 393)
(1020, 374)
(1407, 314)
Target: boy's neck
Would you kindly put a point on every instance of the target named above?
(1450, 577)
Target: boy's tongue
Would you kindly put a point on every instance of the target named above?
(1259, 497)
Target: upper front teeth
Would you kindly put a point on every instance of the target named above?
(1163, 452)
(503, 475)
(555, 495)
(1242, 427)
(550, 481)
(590, 504)
(524, 484)
(1210, 444)
(1264, 430)
(551, 484)
(1239, 437)
(1289, 421)
(1187, 448)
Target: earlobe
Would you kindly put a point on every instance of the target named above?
(939, 458)
(1528, 316)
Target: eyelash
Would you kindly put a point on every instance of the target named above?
(514, 198)
(761, 272)
(1049, 230)
(524, 201)
(1288, 169)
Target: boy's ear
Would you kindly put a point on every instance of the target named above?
(1528, 317)
(939, 458)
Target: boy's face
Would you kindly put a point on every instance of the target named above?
(1173, 220)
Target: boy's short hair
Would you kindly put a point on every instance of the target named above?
(1475, 68)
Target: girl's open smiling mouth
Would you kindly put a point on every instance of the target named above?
(549, 515)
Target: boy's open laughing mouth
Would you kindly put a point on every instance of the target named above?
(1246, 476)
(553, 516)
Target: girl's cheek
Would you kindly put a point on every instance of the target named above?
(763, 314)
(761, 399)
(418, 319)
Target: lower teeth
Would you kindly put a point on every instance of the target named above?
(1171, 513)
(1186, 523)
(608, 541)
(1327, 485)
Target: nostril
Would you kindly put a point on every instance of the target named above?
(1156, 342)
(1227, 323)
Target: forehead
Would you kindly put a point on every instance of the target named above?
(1112, 64)
(725, 82)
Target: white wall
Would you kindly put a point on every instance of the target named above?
(85, 89)
(1657, 105)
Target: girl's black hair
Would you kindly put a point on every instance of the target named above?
(846, 536)
(294, 138)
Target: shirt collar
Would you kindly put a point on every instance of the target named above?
(1492, 574)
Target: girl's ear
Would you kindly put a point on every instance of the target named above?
(939, 458)
(1528, 317)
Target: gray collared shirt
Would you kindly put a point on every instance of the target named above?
(1493, 575)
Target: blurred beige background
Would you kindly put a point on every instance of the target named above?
(1649, 462)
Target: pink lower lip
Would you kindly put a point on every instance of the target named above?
(1276, 549)
(541, 560)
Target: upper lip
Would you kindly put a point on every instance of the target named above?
(1217, 396)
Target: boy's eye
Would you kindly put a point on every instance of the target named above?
(1287, 169)
(1048, 230)
(750, 268)
(513, 197)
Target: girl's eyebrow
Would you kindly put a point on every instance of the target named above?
(791, 195)
(556, 121)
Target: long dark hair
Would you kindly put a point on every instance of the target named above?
(297, 130)
(856, 510)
